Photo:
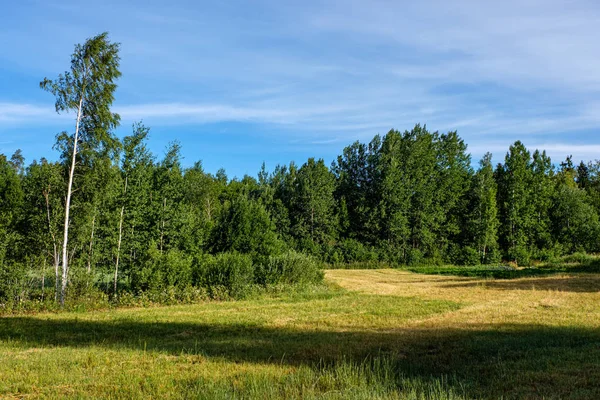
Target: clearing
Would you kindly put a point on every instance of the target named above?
(370, 334)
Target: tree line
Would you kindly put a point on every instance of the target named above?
(109, 215)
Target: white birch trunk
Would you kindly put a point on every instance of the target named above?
(65, 255)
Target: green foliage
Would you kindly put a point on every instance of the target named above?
(12, 282)
(358, 176)
(90, 85)
(576, 223)
(520, 254)
(482, 214)
(312, 206)
(515, 200)
(465, 255)
(352, 251)
(289, 268)
(244, 226)
(416, 257)
(12, 270)
(232, 273)
(87, 89)
(494, 256)
(406, 198)
(159, 270)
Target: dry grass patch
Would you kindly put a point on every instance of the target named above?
(388, 334)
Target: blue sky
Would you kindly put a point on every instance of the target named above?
(242, 82)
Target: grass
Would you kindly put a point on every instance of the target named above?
(575, 263)
(388, 334)
(506, 272)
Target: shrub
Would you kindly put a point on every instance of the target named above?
(493, 256)
(415, 257)
(469, 256)
(354, 251)
(290, 268)
(390, 253)
(200, 265)
(159, 271)
(232, 271)
(548, 255)
(245, 226)
(359, 265)
(91, 299)
(520, 255)
(177, 269)
(579, 257)
(12, 281)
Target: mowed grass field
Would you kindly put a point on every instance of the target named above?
(367, 334)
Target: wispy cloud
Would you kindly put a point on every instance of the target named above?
(25, 113)
(321, 73)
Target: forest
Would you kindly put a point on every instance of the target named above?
(110, 218)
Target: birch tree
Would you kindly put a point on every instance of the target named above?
(482, 226)
(87, 90)
(44, 187)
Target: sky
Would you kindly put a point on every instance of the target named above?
(242, 82)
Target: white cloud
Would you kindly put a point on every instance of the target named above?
(543, 43)
(25, 113)
(329, 72)
(206, 113)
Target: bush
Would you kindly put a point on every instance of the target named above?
(392, 254)
(520, 255)
(232, 272)
(177, 269)
(493, 256)
(200, 266)
(245, 226)
(12, 282)
(360, 265)
(469, 256)
(579, 257)
(548, 255)
(415, 257)
(354, 251)
(289, 268)
(91, 299)
(159, 271)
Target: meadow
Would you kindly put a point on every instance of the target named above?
(386, 334)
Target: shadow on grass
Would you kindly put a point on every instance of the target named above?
(574, 283)
(485, 360)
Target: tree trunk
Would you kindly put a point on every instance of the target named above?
(65, 255)
(119, 241)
